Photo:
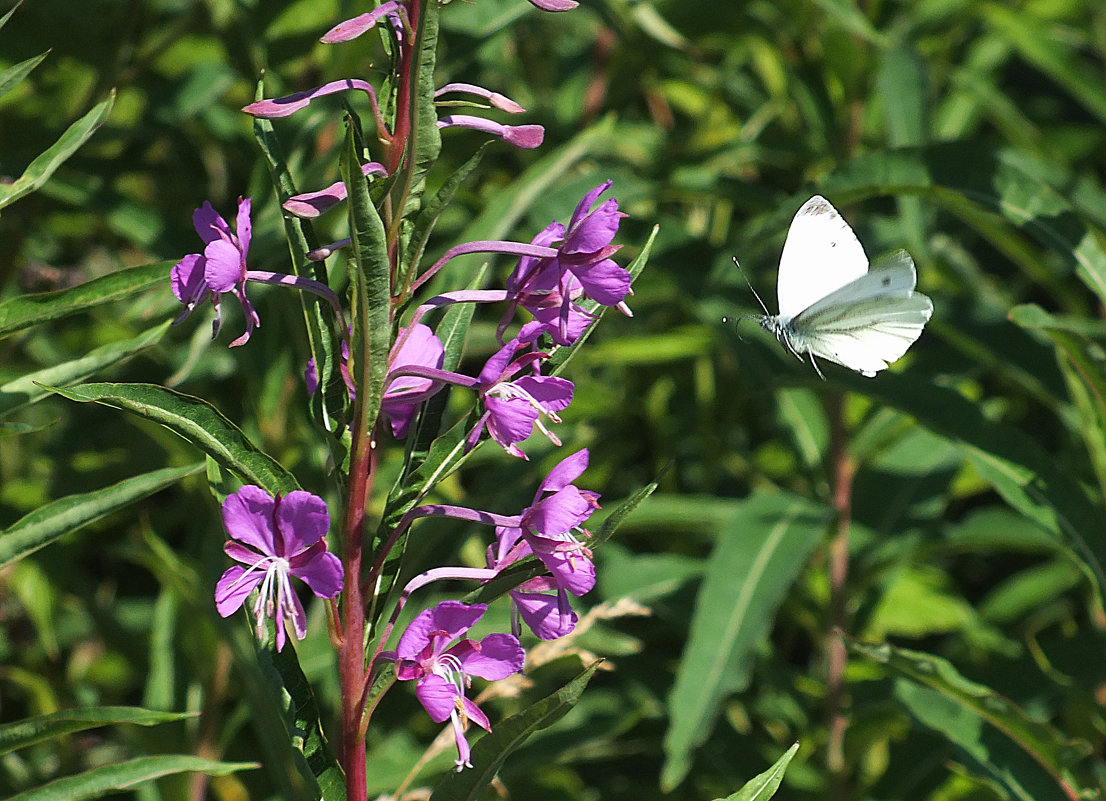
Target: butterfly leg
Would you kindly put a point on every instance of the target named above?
(814, 364)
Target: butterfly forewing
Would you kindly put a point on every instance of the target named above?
(821, 254)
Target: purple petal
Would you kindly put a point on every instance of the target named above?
(311, 377)
(567, 470)
(584, 206)
(248, 517)
(302, 519)
(452, 617)
(421, 348)
(187, 280)
(209, 224)
(497, 657)
(242, 226)
(605, 282)
(240, 553)
(252, 320)
(476, 715)
(223, 270)
(231, 590)
(572, 571)
(495, 367)
(437, 696)
(544, 615)
(595, 231)
(559, 513)
(552, 393)
(400, 416)
(510, 420)
(322, 573)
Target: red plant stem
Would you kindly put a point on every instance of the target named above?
(351, 655)
(844, 469)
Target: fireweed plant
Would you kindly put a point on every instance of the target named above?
(379, 369)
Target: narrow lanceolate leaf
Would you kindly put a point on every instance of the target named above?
(306, 728)
(492, 749)
(29, 388)
(25, 732)
(47, 523)
(426, 141)
(328, 404)
(616, 518)
(27, 310)
(372, 298)
(1030, 759)
(39, 171)
(100, 781)
(757, 558)
(764, 786)
(13, 76)
(195, 420)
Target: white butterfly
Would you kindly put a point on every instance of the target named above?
(832, 306)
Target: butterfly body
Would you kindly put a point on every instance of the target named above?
(833, 306)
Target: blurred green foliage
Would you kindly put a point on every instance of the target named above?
(971, 133)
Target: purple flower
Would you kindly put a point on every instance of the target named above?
(547, 529)
(276, 538)
(581, 267)
(417, 348)
(512, 408)
(443, 674)
(221, 268)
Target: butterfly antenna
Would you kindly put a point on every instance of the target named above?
(751, 289)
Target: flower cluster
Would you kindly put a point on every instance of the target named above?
(562, 276)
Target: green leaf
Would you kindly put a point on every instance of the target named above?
(13, 76)
(29, 388)
(39, 171)
(983, 724)
(28, 731)
(47, 523)
(26, 310)
(306, 728)
(195, 420)
(425, 141)
(100, 781)
(372, 298)
(758, 556)
(328, 405)
(492, 749)
(764, 786)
